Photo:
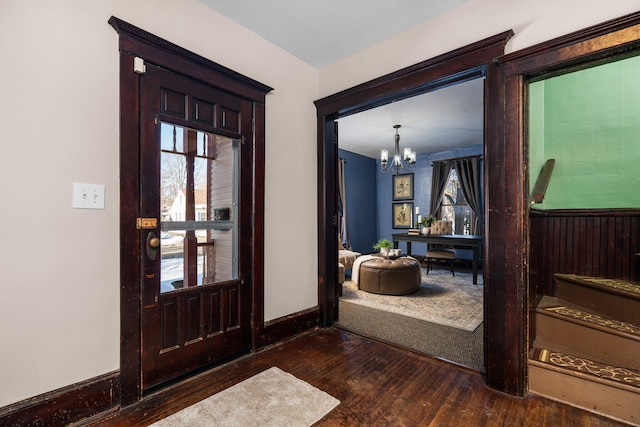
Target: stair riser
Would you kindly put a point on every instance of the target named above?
(589, 395)
(588, 342)
(595, 300)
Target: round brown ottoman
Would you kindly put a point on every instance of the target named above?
(388, 276)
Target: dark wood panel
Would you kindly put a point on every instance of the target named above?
(169, 335)
(193, 317)
(196, 331)
(214, 319)
(228, 119)
(595, 243)
(174, 104)
(234, 306)
(204, 112)
(211, 110)
(377, 385)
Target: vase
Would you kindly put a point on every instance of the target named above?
(425, 231)
(384, 250)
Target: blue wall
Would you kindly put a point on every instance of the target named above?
(362, 203)
(370, 197)
(421, 192)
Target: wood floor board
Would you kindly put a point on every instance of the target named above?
(377, 385)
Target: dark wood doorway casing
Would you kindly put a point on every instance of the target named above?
(602, 43)
(503, 268)
(134, 42)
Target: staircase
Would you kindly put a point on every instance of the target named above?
(586, 351)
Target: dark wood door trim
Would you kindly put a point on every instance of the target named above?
(504, 301)
(175, 58)
(581, 48)
(136, 42)
(459, 65)
(598, 44)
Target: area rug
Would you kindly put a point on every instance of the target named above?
(441, 298)
(270, 398)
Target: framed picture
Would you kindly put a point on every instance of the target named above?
(403, 187)
(402, 215)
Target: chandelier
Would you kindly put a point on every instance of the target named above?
(406, 162)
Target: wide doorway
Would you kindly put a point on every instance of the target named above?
(444, 127)
(464, 64)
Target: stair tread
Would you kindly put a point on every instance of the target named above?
(572, 311)
(619, 286)
(603, 371)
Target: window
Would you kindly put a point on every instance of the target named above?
(198, 173)
(455, 207)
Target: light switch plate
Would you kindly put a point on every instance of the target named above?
(88, 196)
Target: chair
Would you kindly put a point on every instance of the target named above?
(435, 252)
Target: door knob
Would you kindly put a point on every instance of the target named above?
(152, 245)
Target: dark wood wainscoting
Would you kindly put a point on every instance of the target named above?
(591, 242)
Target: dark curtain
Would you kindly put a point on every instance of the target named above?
(468, 170)
(441, 170)
(342, 205)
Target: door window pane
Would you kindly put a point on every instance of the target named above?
(199, 193)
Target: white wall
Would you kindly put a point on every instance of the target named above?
(60, 314)
(533, 21)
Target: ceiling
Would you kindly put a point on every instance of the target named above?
(436, 121)
(323, 32)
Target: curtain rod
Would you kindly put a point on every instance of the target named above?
(458, 158)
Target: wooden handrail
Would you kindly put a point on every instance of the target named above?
(540, 189)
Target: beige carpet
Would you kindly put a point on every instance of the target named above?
(270, 398)
(441, 298)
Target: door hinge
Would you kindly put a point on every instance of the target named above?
(146, 223)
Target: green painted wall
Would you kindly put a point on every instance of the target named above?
(589, 121)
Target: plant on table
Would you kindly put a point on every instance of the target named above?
(428, 220)
(383, 245)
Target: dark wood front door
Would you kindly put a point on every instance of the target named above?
(195, 225)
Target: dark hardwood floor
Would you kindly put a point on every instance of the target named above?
(377, 385)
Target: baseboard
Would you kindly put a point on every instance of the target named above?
(65, 405)
(285, 327)
(93, 396)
